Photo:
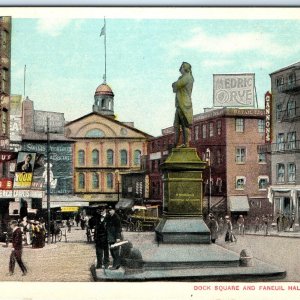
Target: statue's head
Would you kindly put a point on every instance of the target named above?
(185, 68)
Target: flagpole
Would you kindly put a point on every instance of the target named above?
(105, 50)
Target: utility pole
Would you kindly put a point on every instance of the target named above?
(48, 180)
(209, 169)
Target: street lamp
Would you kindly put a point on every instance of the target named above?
(207, 156)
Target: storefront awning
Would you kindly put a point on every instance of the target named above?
(125, 203)
(238, 203)
(65, 201)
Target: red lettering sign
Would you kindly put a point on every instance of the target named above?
(6, 184)
(268, 112)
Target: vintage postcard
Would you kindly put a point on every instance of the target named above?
(149, 152)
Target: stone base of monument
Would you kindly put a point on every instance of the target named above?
(183, 230)
(180, 249)
(188, 262)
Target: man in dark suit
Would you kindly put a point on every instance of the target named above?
(25, 165)
(100, 237)
(114, 229)
(16, 253)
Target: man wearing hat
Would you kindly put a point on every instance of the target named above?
(16, 253)
(114, 229)
(100, 238)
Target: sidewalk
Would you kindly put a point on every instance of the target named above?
(275, 233)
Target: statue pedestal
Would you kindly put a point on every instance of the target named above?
(184, 251)
(183, 196)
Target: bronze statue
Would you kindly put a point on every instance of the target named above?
(183, 102)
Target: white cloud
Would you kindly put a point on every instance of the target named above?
(52, 26)
(235, 42)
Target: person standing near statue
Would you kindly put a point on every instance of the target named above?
(183, 102)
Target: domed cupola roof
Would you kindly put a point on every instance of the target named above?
(104, 89)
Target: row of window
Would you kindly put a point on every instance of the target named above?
(95, 180)
(209, 130)
(240, 182)
(281, 172)
(109, 157)
(288, 144)
(291, 79)
(290, 110)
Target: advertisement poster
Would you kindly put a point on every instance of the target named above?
(24, 170)
(107, 81)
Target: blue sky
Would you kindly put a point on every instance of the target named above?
(65, 61)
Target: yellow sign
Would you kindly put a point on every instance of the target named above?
(69, 209)
(22, 180)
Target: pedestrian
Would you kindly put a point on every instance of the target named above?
(229, 237)
(256, 224)
(69, 224)
(241, 224)
(213, 227)
(77, 219)
(265, 220)
(17, 247)
(100, 238)
(114, 229)
(221, 225)
(279, 222)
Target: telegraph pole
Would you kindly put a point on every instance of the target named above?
(48, 180)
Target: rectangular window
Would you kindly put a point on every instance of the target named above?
(4, 122)
(291, 140)
(291, 109)
(280, 141)
(263, 183)
(240, 155)
(291, 79)
(196, 131)
(204, 131)
(291, 172)
(279, 81)
(4, 35)
(240, 182)
(279, 112)
(219, 127)
(262, 157)
(261, 126)
(239, 125)
(211, 129)
(280, 173)
(4, 76)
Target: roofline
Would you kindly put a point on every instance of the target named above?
(110, 119)
(292, 66)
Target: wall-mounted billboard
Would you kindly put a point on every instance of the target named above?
(235, 90)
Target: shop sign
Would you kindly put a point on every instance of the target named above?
(21, 194)
(69, 209)
(268, 105)
(6, 184)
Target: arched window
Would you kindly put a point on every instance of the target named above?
(95, 157)
(95, 133)
(81, 181)
(110, 157)
(137, 157)
(81, 157)
(95, 180)
(109, 181)
(123, 155)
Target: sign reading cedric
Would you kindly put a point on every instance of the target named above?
(234, 90)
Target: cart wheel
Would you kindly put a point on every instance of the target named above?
(59, 235)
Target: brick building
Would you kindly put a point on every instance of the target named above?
(239, 173)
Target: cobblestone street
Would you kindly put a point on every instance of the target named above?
(59, 262)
